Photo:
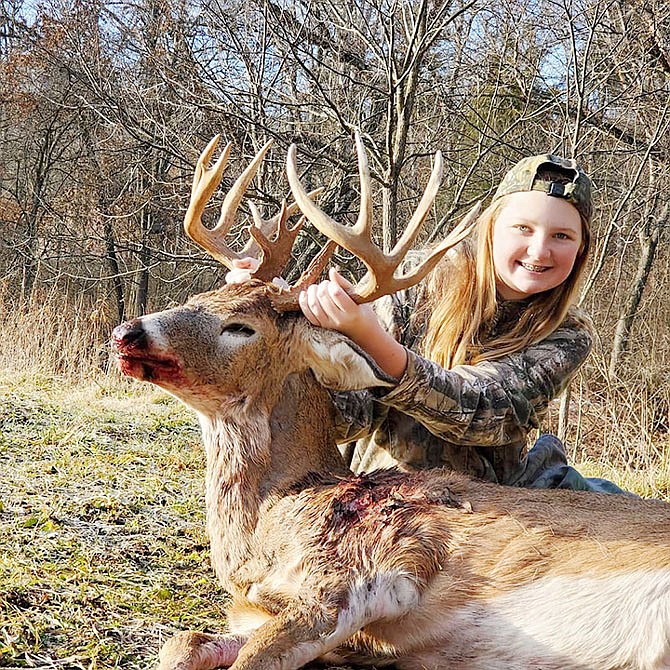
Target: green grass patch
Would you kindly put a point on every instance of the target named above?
(646, 481)
(104, 552)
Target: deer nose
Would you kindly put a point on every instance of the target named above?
(129, 335)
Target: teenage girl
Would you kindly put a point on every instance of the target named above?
(493, 337)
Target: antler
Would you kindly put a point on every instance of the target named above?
(380, 278)
(275, 249)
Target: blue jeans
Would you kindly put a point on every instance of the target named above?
(546, 467)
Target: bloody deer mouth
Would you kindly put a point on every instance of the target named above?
(133, 350)
(148, 368)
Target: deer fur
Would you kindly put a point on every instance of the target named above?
(421, 570)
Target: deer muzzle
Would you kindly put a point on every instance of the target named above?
(138, 356)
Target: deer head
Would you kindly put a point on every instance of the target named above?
(226, 347)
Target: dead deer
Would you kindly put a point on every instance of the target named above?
(421, 570)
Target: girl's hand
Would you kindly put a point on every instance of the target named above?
(242, 270)
(328, 305)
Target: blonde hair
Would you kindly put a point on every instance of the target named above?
(460, 298)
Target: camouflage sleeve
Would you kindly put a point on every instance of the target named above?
(359, 413)
(492, 402)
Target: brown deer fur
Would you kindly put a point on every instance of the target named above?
(424, 570)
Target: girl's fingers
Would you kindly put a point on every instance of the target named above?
(336, 277)
(309, 304)
(339, 295)
(340, 308)
(324, 306)
(328, 304)
(281, 282)
(304, 307)
(318, 306)
(242, 270)
(246, 263)
(237, 276)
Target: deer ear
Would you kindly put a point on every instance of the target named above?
(341, 365)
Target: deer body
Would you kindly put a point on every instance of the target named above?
(424, 571)
(419, 570)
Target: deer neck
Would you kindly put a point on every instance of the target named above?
(256, 452)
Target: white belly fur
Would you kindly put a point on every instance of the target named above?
(619, 622)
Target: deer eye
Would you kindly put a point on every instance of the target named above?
(237, 329)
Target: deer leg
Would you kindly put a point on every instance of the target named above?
(189, 650)
(304, 632)
(286, 643)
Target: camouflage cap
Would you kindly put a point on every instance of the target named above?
(525, 176)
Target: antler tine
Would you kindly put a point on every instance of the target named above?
(270, 227)
(365, 220)
(404, 244)
(233, 198)
(205, 182)
(355, 239)
(380, 278)
(285, 300)
(458, 234)
(273, 239)
(277, 251)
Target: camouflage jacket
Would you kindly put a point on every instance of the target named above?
(472, 418)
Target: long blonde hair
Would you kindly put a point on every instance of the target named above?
(460, 299)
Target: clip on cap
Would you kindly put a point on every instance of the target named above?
(557, 190)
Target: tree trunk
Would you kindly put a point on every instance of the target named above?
(625, 322)
(143, 283)
(564, 414)
(144, 256)
(113, 261)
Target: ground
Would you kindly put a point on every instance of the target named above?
(103, 549)
(101, 524)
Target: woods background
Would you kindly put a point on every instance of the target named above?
(105, 106)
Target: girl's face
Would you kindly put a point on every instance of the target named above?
(536, 238)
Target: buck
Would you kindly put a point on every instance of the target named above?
(421, 570)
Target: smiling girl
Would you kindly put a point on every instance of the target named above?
(492, 338)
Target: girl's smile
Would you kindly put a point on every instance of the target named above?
(536, 238)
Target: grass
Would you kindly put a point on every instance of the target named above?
(101, 525)
(103, 551)
(648, 482)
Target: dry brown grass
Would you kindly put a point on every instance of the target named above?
(618, 429)
(54, 335)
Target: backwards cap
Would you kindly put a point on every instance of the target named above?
(527, 175)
